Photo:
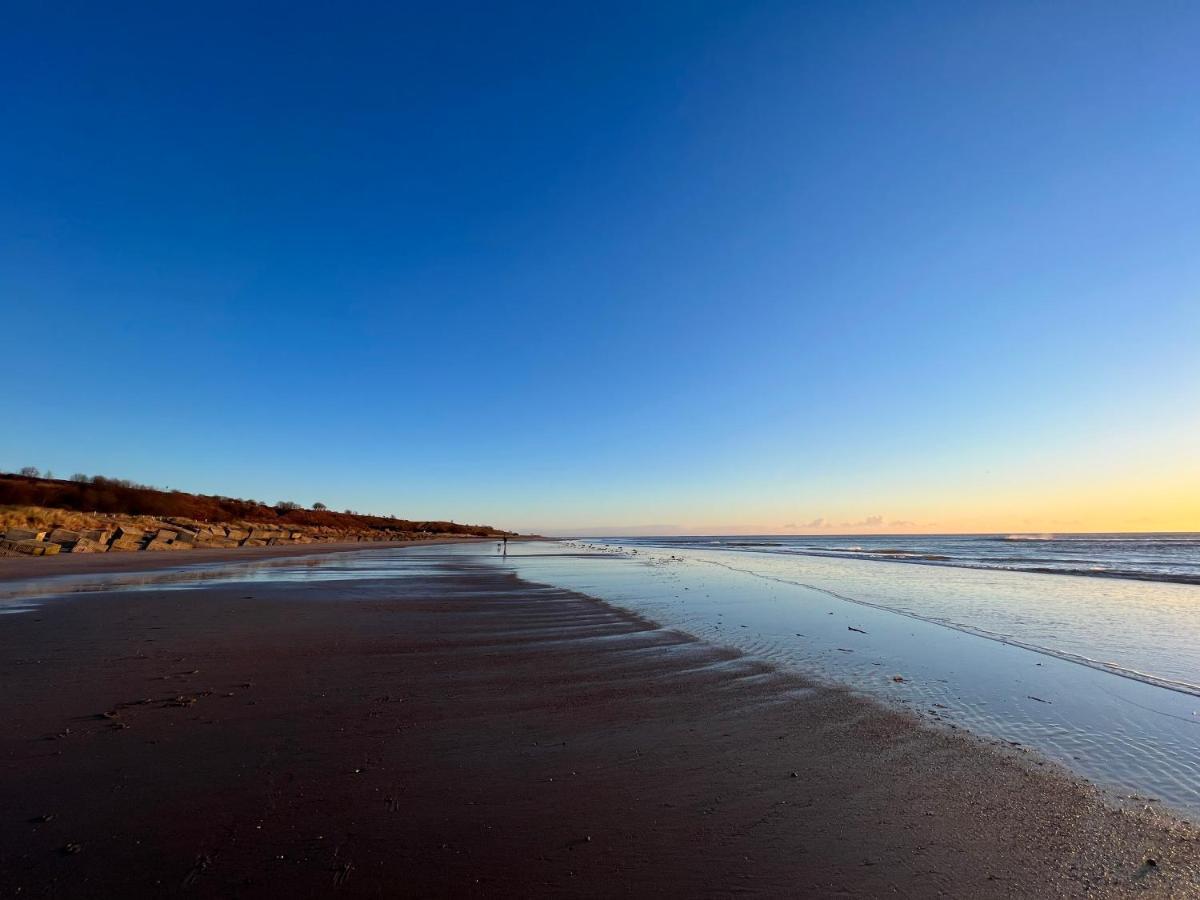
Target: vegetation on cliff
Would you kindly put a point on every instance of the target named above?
(97, 494)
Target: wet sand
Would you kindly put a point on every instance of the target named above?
(20, 567)
(463, 732)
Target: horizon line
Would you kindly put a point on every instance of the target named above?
(748, 534)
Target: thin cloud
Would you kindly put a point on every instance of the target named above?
(868, 522)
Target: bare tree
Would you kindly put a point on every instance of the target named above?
(31, 472)
(319, 505)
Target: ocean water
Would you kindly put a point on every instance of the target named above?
(1173, 557)
(1122, 602)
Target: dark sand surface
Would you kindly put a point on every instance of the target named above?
(463, 732)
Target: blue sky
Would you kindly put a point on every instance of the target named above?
(569, 267)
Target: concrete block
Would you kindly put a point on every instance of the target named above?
(31, 548)
(158, 543)
(24, 534)
(125, 544)
(128, 532)
(86, 545)
(63, 536)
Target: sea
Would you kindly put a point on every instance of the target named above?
(1173, 557)
(1124, 602)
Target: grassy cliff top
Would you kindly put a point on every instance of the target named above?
(97, 494)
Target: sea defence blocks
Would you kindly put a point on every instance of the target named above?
(24, 534)
(29, 548)
(64, 537)
(122, 533)
(87, 545)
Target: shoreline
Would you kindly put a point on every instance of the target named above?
(1097, 677)
(467, 731)
(912, 557)
(19, 568)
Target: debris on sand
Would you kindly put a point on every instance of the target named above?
(203, 861)
(342, 874)
(852, 628)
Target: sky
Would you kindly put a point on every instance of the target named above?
(612, 268)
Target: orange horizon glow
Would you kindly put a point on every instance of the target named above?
(1137, 508)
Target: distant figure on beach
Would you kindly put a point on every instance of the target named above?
(505, 545)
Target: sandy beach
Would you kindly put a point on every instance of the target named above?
(463, 732)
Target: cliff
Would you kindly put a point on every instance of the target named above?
(42, 516)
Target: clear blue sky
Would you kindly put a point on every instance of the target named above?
(563, 266)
